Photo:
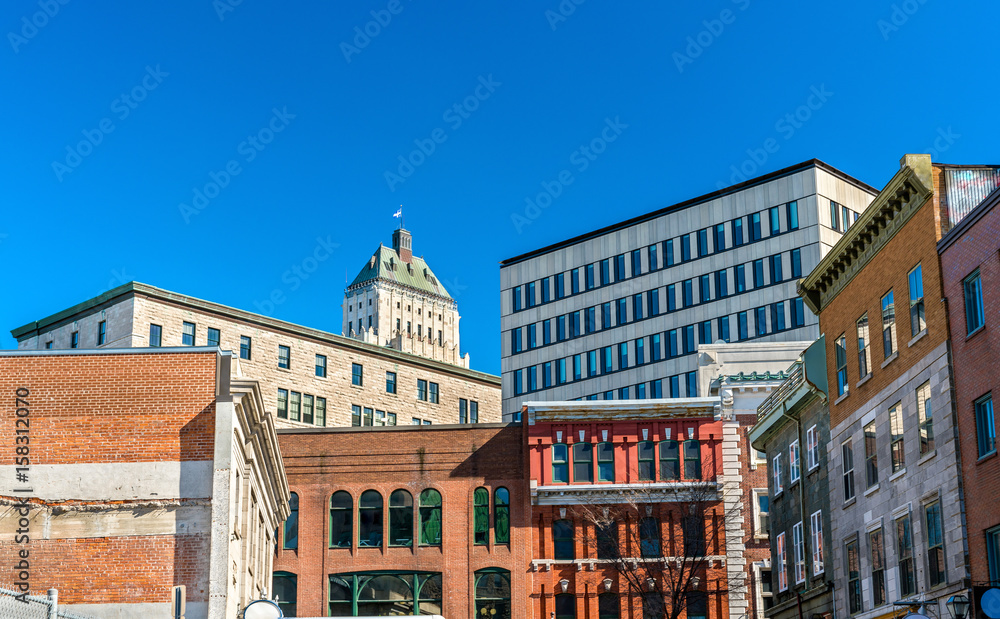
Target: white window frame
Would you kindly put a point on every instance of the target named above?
(776, 466)
(794, 469)
(816, 531)
(812, 448)
(782, 565)
(798, 543)
(758, 529)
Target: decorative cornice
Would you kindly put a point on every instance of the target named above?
(590, 494)
(903, 196)
(610, 410)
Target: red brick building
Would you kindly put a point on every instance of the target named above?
(970, 270)
(137, 471)
(627, 509)
(405, 519)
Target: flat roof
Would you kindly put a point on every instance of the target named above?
(132, 288)
(400, 428)
(805, 165)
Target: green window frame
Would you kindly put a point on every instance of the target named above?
(341, 519)
(986, 432)
(936, 572)
(492, 587)
(370, 519)
(560, 463)
(606, 536)
(430, 517)
(606, 462)
(565, 606)
(290, 539)
(583, 463)
(670, 460)
(646, 456)
(501, 516)
(649, 537)
(692, 459)
(904, 555)
(481, 515)
(285, 587)
(563, 544)
(400, 518)
(383, 593)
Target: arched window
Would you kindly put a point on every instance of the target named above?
(607, 541)
(653, 606)
(670, 461)
(370, 519)
(562, 539)
(560, 464)
(430, 518)
(380, 594)
(565, 606)
(292, 523)
(481, 514)
(341, 518)
(608, 606)
(400, 518)
(692, 459)
(285, 591)
(583, 462)
(605, 462)
(649, 537)
(493, 594)
(647, 454)
(501, 516)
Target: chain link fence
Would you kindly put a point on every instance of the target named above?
(33, 606)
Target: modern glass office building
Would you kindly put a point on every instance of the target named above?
(618, 313)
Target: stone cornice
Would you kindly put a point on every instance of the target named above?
(653, 492)
(903, 196)
(611, 410)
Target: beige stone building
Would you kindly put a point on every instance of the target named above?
(306, 376)
(397, 301)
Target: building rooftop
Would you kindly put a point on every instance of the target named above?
(386, 265)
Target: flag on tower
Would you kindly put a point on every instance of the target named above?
(399, 212)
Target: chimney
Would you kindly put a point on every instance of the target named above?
(402, 242)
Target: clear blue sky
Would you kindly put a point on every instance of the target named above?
(173, 92)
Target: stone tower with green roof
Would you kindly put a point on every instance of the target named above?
(397, 301)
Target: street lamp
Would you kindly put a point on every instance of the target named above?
(958, 606)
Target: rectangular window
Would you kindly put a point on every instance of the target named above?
(917, 320)
(795, 257)
(577, 367)
(593, 369)
(653, 297)
(741, 278)
(434, 391)
(546, 374)
(516, 298)
(719, 238)
(606, 315)
(685, 247)
(688, 333)
(896, 437)
(622, 355)
(755, 227)
(853, 577)
(655, 347)
(687, 293)
(993, 553)
(974, 318)
(760, 321)
(761, 502)
(187, 334)
(904, 554)
(742, 328)
(589, 324)
(421, 390)
(798, 311)
(560, 328)
(986, 434)
(390, 382)
(671, 297)
(636, 262)
(875, 545)
(675, 386)
(530, 293)
(816, 533)
(778, 316)
(295, 405)
(640, 351)
(532, 336)
(518, 386)
(473, 411)
(774, 217)
(532, 379)
(775, 264)
(864, 348)
(546, 294)
(847, 452)
(637, 306)
(656, 389)
(799, 546)
(155, 335)
(622, 311)
(651, 256)
(574, 280)
(672, 350)
(692, 386)
(546, 332)
(357, 374)
(834, 215)
(782, 562)
(561, 371)
(705, 332)
(282, 403)
(841, 358)
(284, 357)
(846, 220)
(213, 337)
(793, 462)
(619, 267)
(320, 419)
(703, 242)
(589, 277)
(776, 473)
(758, 273)
(888, 325)
(307, 408)
(871, 456)
(560, 285)
(935, 544)
(704, 288)
(608, 362)
(792, 212)
(245, 347)
(515, 340)
(574, 324)
(721, 284)
(668, 251)
(737, 229)
(355, 415)
(724, 328)
(926, 418)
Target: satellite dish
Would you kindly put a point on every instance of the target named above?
(262, 609)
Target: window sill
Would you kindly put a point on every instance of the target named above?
(989, 456)
(849, 502)
(357, 386)
(917, 338)
(814, 469)
(898, 474)
(281, 369)
(890, 359)
(841, 398)
(978, 330)
(777, 494)
(793, 483)
(927, 456)
(867, 377)
(871, 490)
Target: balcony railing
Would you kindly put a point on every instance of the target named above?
(795, 378)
